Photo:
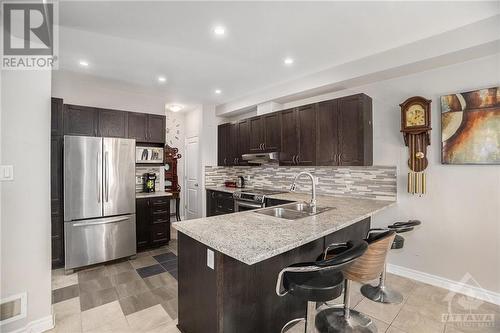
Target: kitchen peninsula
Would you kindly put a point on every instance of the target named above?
(228, 265)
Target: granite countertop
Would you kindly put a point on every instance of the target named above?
(139, 195)
(251, 238)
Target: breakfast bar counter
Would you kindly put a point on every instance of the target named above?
(228, 264)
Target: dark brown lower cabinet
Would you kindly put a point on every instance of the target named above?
(219, 203)
(236, 297)
(56, 184)
(152, 222)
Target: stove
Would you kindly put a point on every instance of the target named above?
(252, 198)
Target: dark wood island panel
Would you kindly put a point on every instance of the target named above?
(236, 297)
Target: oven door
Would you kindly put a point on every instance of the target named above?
(241, 206)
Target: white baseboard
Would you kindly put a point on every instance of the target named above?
(37, 326)
(455, 286)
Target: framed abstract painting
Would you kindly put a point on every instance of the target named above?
(470, 127)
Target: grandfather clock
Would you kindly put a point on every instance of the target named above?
(171, 156)
(416, 127)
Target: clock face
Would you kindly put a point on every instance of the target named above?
(415, 116)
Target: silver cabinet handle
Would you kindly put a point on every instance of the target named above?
(293, 159)
(340, 157)
(118, 219)
(99, 180)
(225, 161)
(297, 159)
(106, 175)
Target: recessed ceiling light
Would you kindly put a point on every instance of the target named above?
(83, 63)
(288, 61)
(219, 30)
(175, 107)
(218, 91)
(162, 79)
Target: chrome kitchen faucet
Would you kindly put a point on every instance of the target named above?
(313, 193)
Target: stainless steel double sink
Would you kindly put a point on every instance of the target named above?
(293, 211)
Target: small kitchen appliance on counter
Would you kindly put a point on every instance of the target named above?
(149, 182)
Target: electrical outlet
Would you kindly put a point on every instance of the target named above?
(6, 172)
(210, 258)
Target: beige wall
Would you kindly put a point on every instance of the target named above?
(25, 201)
(461, 211)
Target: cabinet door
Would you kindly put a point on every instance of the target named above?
(256, 129)
(57, 241)
(156, 128)
(289, 137)
(56, 116)
(327, 133)
(56, 174)
(142, 221)
(80, 120)
(306, 116)
(232, 144)
(222, 144)
(272, 132)
(350, 118)
(243, 140)
(112, 123)
(138, 126)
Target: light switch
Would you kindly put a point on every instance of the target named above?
(210, 258)
(6, 172)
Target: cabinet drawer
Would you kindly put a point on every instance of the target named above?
(160, 232)
(160, 218)
(162, 201)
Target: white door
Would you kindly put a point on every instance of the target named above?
(192, 172)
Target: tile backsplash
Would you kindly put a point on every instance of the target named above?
(374, 182)
(159, 182)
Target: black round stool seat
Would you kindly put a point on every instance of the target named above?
(314, 286)
(398, 242)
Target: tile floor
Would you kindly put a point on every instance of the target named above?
(140, 295)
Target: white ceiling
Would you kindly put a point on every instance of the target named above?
(136, 41)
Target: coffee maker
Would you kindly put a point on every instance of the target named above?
(149, 182)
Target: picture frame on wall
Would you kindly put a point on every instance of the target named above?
(470, 127)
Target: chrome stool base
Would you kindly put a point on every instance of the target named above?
(381, 294)
(334, 320)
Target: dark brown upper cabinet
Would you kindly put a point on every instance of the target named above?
(112, 123)
(243, 140)
(334, 132)
(56, 116)
(264, 133)
(138, 126)
(156, 128)
(298, 136)
(344, 131)
(80, 120)
(146, 127)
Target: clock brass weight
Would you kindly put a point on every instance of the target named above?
(416, 128)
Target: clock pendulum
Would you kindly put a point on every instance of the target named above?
(416, 127)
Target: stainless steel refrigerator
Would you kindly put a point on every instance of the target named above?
(99, 200)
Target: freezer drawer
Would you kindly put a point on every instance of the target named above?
(94, 241)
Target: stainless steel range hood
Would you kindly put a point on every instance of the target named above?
(261, 158)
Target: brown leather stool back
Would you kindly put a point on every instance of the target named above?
(371, 264)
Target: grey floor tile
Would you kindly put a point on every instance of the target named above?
(95, 285)
(92, 299)
(170, 265)
(165, 293)
(131, 288)
(171, 306)
(174, 274)
(145, 272)
(160, 280)
(124, 277)
(165, 257)
(91, 273)
(65, 293)
(138, 302)
(119, 267)
(143, 261)
(160, 250)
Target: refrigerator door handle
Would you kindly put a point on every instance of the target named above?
(99, 180)
(106, 175)
(106, 221)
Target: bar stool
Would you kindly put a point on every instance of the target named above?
(382, 293)
(318, 281)
(366, 268)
